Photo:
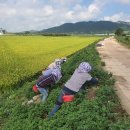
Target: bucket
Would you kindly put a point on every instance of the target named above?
(68, 98)
(35, 89)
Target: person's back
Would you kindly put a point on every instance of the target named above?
(77, 80)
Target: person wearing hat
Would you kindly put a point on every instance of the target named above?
(56, 64)
(74, 84)
(49, 77)
(45, 80)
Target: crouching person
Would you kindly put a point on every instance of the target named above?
(74, 84)
(52, 77)
(56, 64)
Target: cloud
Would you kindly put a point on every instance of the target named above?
(124, 1)
(65, 3)
(40, 14)
(118, 17)
(6, 11)
(20, 15)
(47, 10)
(85, 12)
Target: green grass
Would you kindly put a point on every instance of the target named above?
(103, 112)
(125, 40)
(21, 57)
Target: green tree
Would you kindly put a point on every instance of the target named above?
(119, 32)
(27, 32)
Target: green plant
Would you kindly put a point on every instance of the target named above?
(82, 114)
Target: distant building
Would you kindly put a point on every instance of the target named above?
(2, 31)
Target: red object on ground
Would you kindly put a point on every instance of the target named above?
(35, 89)
(68, 98)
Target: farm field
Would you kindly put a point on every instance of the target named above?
(94, 108)
(24, 56)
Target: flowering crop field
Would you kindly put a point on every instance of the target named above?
(24, 56)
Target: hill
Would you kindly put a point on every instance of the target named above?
(89, 27)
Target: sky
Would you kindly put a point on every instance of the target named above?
(23, 15)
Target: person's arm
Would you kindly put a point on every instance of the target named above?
(44, 70)
(47, 72)
(93, 81)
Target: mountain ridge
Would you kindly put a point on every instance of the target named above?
(88, 27)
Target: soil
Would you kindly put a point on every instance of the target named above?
(91, 93)
(117, 61)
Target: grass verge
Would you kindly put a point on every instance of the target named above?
(125, 40)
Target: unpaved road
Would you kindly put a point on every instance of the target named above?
(117, 61)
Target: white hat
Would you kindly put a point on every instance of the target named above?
(84, 67)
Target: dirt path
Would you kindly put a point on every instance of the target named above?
(117, 61)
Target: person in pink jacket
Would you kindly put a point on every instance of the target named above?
(74, 84)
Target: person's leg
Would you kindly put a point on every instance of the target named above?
(58, 104)
(54, 110)
(60, 100)
(44, 94)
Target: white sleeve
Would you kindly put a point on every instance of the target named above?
(88, 76)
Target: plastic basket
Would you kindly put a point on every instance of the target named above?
(35, 89)
(68, 98)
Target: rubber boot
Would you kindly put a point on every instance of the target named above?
(54, 110)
